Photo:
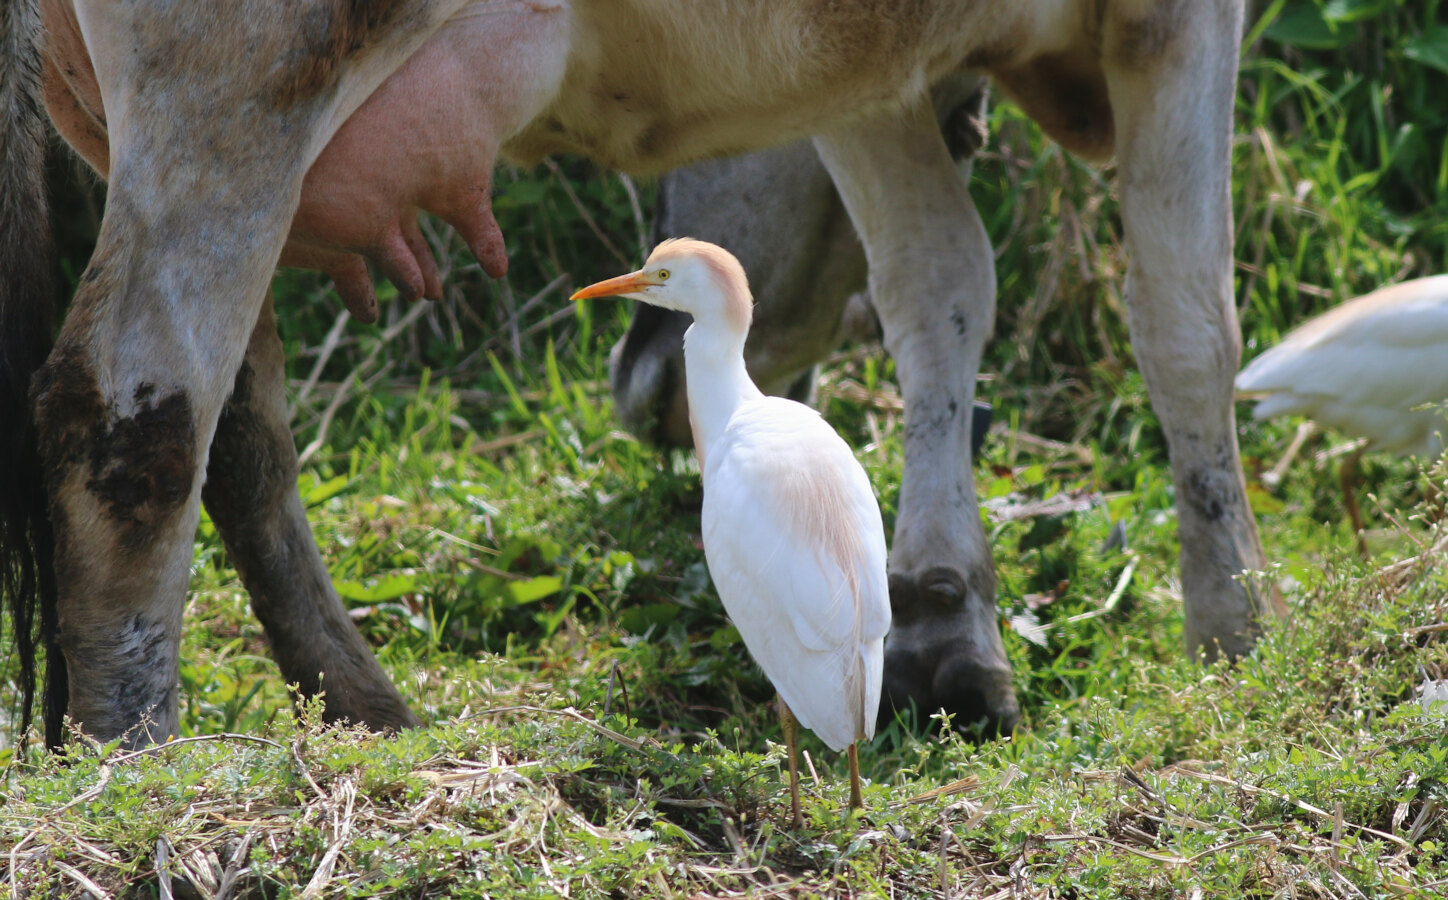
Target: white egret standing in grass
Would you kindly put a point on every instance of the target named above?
(792, 531)
(1375, 367)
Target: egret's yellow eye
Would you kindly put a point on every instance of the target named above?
(663, 274)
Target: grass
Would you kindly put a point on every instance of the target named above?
(612, 738)
(532, 578)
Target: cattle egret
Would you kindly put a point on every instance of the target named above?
(1374, 367)
(792, 532)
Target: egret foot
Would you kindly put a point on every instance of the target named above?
(790, 726)
(857, 799)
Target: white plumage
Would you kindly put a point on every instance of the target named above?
(792, 531)
(1365, 368)
(796, 548)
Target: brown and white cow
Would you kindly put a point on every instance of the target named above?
(237, 135)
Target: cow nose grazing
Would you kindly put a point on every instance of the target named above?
(980, 698)
(976, 694)
(944, 652)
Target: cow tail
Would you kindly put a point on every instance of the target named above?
(27, 327)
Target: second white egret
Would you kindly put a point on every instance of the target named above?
(1373, 367)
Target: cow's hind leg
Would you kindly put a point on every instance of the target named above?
(1171, 70)
(251, 494)
(932, 277)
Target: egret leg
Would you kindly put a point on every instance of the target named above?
(1347, 478)
(857, 799)
(1274, 475)
(790, 726)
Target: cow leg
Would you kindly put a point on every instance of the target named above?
(1171, 69)
(251, 494)
(932, 277)
(125, 407)
(208, 151)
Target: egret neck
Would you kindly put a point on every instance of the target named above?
(718, 383)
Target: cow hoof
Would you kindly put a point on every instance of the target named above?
(944, 652)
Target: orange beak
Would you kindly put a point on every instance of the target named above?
(614, 287)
